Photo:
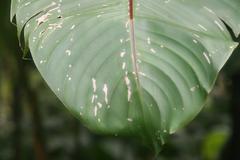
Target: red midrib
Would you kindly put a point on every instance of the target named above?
(131, 9)
(133, 40)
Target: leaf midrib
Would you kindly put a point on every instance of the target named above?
(133, 41)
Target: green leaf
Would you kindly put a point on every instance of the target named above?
(214, 143)
(147, 77)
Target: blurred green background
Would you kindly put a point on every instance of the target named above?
(35, 125)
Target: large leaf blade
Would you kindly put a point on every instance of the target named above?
(84, 51)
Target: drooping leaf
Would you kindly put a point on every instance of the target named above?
(146, 77)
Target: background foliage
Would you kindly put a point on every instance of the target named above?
(33, 124)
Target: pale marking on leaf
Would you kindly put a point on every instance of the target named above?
(105, 90)
(94, 85)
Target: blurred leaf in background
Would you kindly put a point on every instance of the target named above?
(213, 143)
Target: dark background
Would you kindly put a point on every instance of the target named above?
(35, 125)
